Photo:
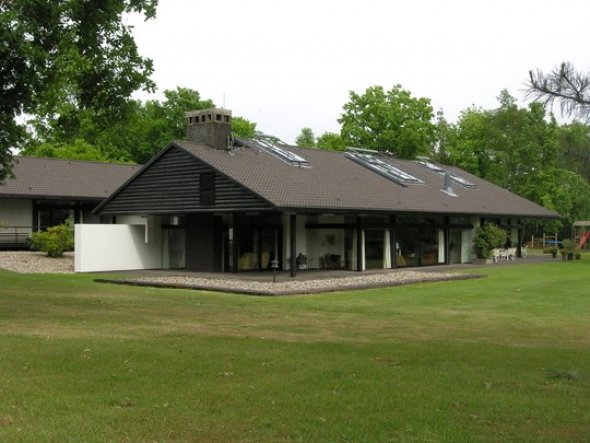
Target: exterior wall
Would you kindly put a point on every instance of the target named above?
(115, 248)
(324, 241)
(131, 220)
(14, 212)
(16, 218)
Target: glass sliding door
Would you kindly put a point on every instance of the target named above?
(374, 248)
(416, 245)
(257, 247)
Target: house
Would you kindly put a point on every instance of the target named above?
(216, 204)
(46, 192)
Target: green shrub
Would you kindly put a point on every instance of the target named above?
(55, 241)
(569, 245)
(487, 238)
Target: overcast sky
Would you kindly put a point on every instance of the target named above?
(290, 64)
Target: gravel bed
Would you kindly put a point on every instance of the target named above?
(386, 279)
(36, 262)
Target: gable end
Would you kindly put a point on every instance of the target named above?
(178, 182)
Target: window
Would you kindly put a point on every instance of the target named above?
(281, 153)
(207, 188)
(440, 170)
(369, 159)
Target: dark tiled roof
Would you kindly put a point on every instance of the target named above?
(66, 179)
(336, 183)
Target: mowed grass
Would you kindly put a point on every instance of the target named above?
(504, 358)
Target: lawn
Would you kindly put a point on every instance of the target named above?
(504, 358)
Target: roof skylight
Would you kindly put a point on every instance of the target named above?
(439, 169)
(369, 160)
(281, 153)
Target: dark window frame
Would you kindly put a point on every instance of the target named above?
(207, 188)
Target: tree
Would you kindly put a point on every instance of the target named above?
(78, 150)
(306, 138)
(141, 130)
(391, 121)
(564, 85)
(242, 128)
(159, 123)
(574, 153)
(331, 141)
(487, 238)
(59, 58)
(508, 145)
(522, 149)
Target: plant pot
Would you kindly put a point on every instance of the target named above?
(570, 255)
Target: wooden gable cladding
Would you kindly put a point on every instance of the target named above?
(177, 182)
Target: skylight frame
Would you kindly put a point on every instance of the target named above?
(369, 160)
(282, 154)
(442, 171)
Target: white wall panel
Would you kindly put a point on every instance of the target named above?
(115, 248)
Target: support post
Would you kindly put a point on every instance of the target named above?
(293, 241)
(77, 212)
(234, 246)
(35, 220)
(392, 242)
(447, 238)
(519, 241)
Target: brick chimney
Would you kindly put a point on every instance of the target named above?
(209, 126)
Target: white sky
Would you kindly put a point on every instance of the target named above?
(290, 64)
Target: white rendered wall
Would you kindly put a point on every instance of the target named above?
(116, 248)
(131, 220)
(441, 246)
(14, 212)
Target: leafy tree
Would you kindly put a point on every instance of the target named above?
(158, 123)
(141, 130)
(61, 57)
(574, 153)
(565, 192)
(521, 149)
(332, 141)
(243, 128)
(306, 138)
(564, 85)
(391, 121)
(444, 133)
(78, 150)
(508, 145)
(487, 238)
